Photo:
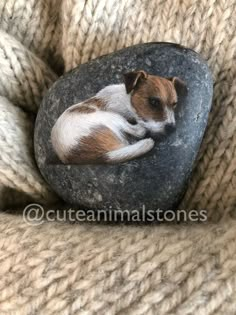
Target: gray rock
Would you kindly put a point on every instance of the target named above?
(157, 180)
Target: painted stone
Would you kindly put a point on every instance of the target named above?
(155, 181)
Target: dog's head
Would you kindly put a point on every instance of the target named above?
(154, 99)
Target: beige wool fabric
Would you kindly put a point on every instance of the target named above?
(62, 268)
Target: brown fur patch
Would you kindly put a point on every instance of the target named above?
(99, 103)
(153, 86)
(92, 149)
(87, 106)
(83, 109)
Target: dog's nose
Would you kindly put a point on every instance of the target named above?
(169, 128)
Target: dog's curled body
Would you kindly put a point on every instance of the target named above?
(95, 131)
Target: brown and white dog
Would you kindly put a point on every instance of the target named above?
(96, 130)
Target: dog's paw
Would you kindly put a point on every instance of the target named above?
(140, 131)
(149, 143)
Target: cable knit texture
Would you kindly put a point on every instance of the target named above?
(87, 269)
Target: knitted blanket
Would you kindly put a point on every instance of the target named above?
(59, 268)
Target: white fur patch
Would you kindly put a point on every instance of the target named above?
(117, 100)
(153, 126)
(170, 116)
(131, 151)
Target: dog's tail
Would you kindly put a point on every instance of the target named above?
(129, 152)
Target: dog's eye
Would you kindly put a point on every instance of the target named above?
(155, 102)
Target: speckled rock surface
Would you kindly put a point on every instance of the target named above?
(157, 180)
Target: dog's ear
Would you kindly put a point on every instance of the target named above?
(179, 85)
(133, 78)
